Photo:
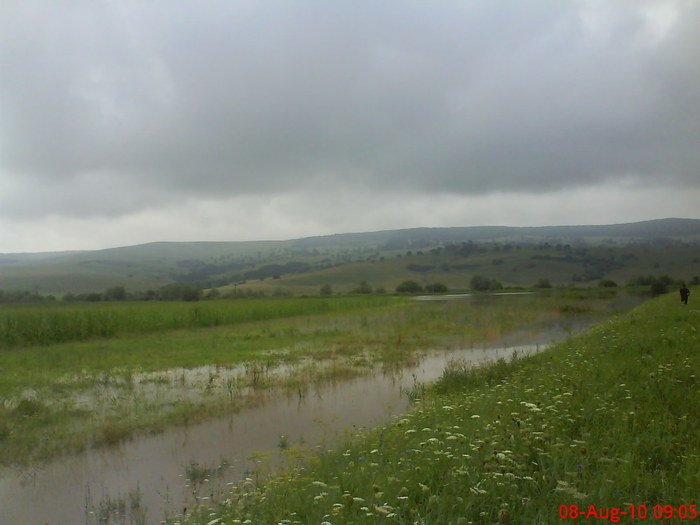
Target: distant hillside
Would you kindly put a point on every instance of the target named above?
(300, 265)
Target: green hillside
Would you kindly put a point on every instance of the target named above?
(520, 266)
(515, 256)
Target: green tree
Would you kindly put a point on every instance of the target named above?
(180, 292)
(326, 289)
(363, 288)
(482, 284)
(436, 288)
(115, 293)
(543, 283)
(409, 287)
(658, 287)
(213, 293)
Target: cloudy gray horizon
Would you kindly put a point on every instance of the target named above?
(129, 122)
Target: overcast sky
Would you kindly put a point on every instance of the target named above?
(124, 122)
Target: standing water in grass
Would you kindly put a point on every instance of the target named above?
(141, 479)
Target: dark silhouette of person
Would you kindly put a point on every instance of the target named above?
(684, 294)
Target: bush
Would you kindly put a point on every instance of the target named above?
(482, 284)
(659, 287)
(409, 287)
(543, 283)
(436, 288)
(180, 292)
(363, 288)
(116, 293)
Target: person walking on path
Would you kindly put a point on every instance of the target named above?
(684, 294)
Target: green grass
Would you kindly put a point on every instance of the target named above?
(516, 268)
(602, 421)
(45, 324)
(72, 395)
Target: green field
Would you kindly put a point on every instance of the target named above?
(602, 423)
(46, 324)
(83, 375)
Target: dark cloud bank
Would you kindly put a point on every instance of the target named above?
(110, 107)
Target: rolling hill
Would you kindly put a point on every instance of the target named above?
(516, 256)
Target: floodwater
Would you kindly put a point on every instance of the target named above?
(145, 479)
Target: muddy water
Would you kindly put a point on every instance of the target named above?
(143, 480)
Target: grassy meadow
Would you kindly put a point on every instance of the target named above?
(46, 324)
(84, 375)
(603, 423)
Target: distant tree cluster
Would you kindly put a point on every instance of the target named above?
(435, 288)
(412, 287)
(483, 284)
(363, 288)
(180, 292)
(657, 285)
(542, 284)
(24, 296)
(170, 292)
(409, 286)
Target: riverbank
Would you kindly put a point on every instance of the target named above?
(603, 423)
(66, 397)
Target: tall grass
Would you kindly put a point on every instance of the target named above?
(27, 325)
(65, 396)
(604, 421)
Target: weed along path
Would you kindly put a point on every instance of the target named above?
(291, 407)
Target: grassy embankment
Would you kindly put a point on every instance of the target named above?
(142, 367)
(607, 419)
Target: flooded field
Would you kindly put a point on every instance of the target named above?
(150, 477)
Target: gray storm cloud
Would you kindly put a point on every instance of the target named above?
(107, 107)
